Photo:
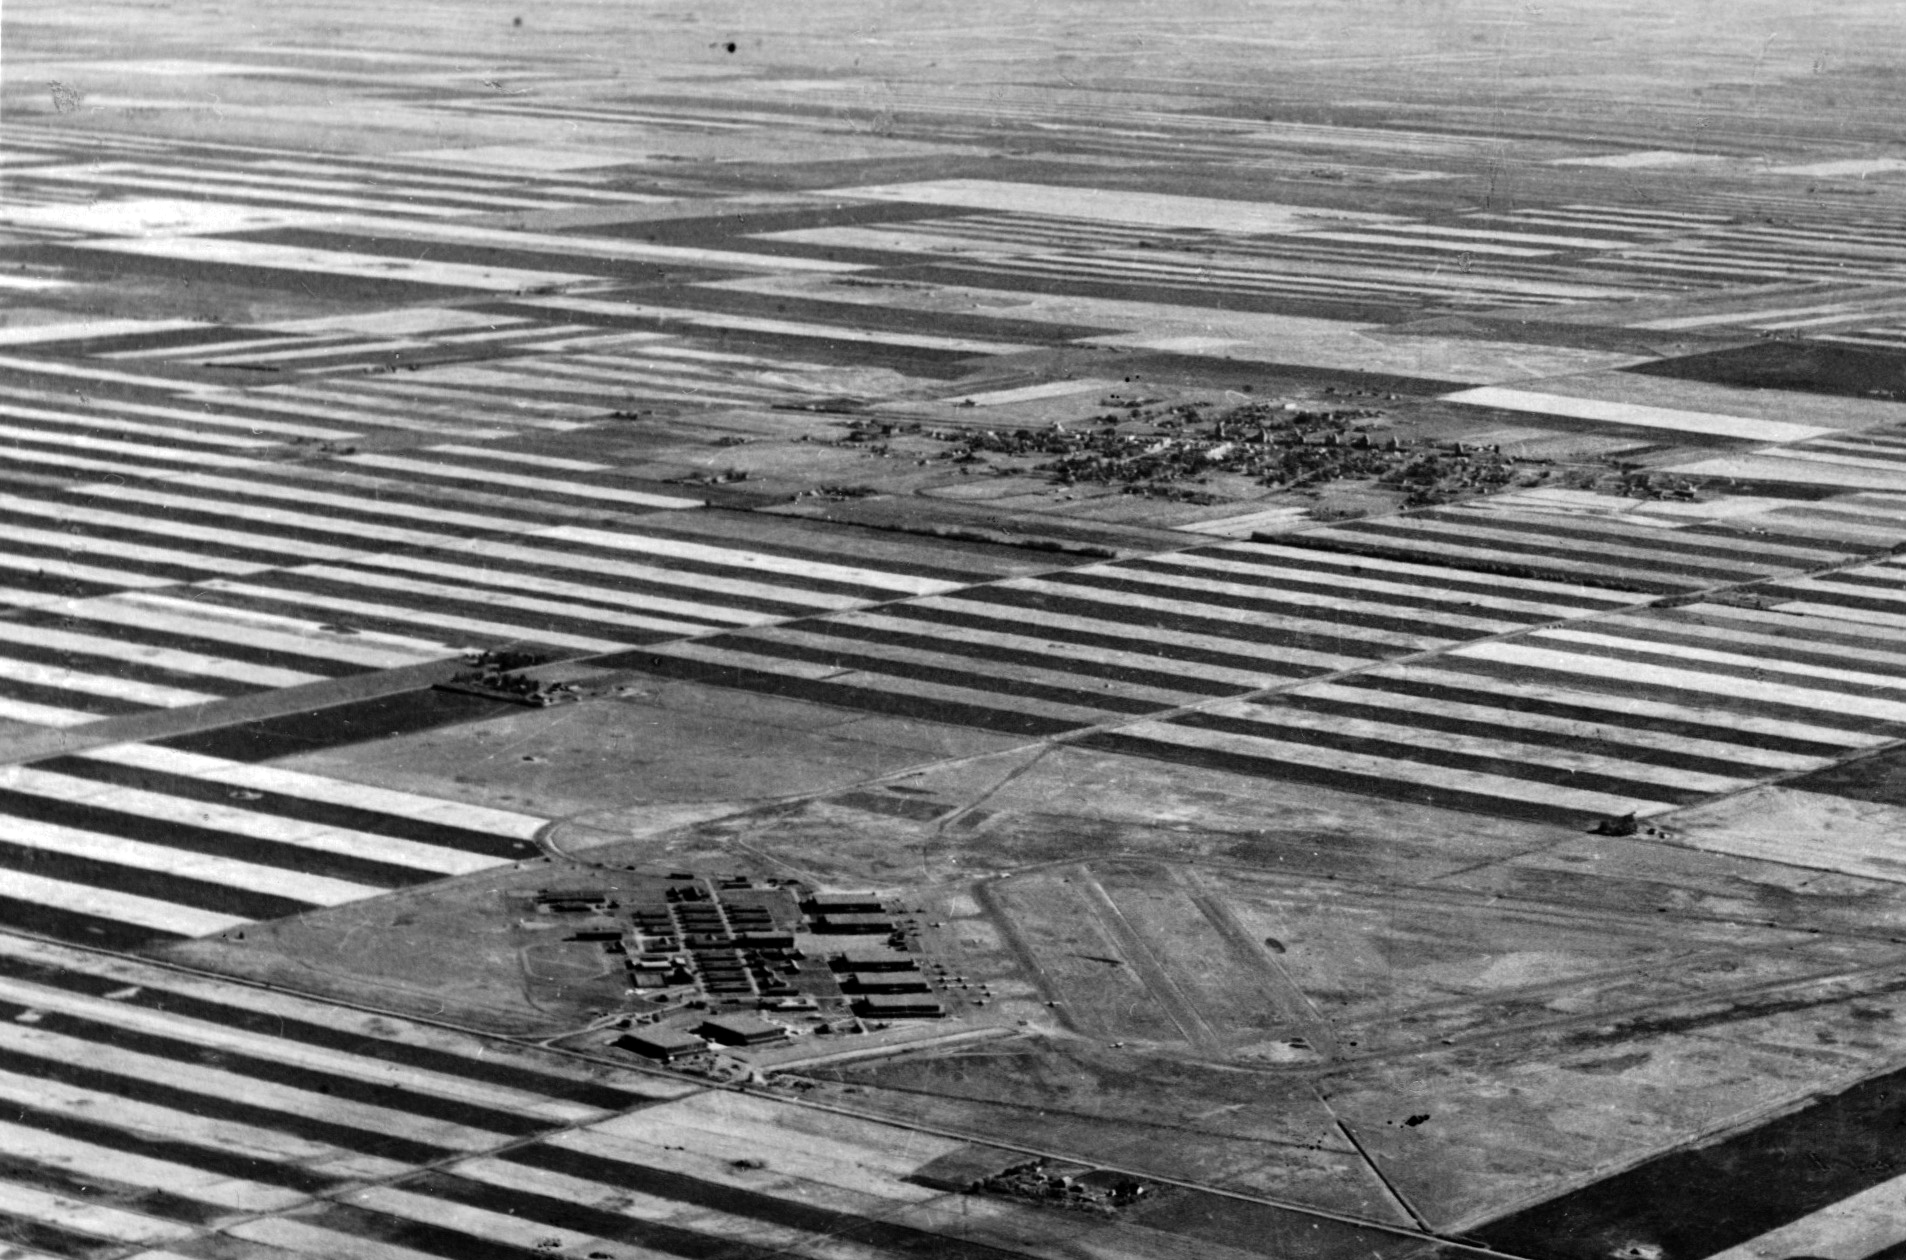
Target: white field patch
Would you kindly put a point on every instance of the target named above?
(1556, 499)
(1188, 344)
(33, 284)
(1811, 829)
(706, 1134)
(410, 321)
(1509, 237)
(1106, 205)
(522, 157)
(1643, 159)
(1846, 168)
(1848, 455)
(1745, 428)
(904, 240)
(75, 330)
(1242, 526)
(159, 216)
(1805, 472)
(1033, 393)
(1721, 509)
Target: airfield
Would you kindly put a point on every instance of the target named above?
(867, 631)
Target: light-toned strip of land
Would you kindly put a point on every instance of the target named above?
(1742, 427)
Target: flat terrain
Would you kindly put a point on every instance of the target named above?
(1285, 618)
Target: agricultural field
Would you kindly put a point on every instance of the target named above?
(843, 631)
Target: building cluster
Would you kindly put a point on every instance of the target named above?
(668, 1044)
(496, 674)
(1097, 1192)
(730, 947)
(880, 972)
(1446, 474)
(736, 964)
(837, 494)
(727, 940)
(1644, 485)
(1167, 451)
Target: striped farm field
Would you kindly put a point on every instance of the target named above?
(137, 844)
(1597, 550)
(1107, 642)
(1639, 712)
(157, 1113)
(181, 591)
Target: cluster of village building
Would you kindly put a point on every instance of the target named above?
(735, 963)
(1171, 451)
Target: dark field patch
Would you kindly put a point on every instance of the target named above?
(1267, 1230)
(1805, 366)
(1880, 780)
(116, 268)
(384, 717)
(1698, 1202)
